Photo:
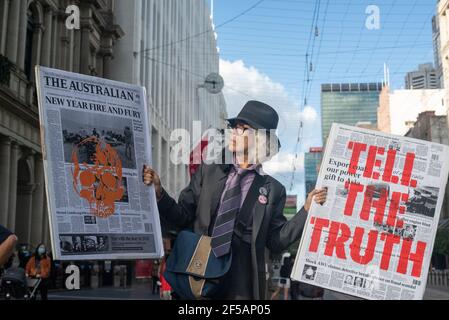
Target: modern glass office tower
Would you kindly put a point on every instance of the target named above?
(312, 161)
(348, 103)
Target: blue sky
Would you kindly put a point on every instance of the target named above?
(263, 57)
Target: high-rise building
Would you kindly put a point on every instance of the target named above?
(312, 162)
(437, 49)
(34, 33)
(426, 77)
(398, 109)
(348, 103)
(167, 50)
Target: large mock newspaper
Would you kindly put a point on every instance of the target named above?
(95, 141)
(373, 238)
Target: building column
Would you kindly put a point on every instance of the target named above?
(24, 209)
(35, 60)
(45, 224)
(4, 8)
(22, 34)
(85, 51)
(25, 191)
(46, 39)
(38, 202)
(107, 66)
(76, 56)
(159, 152)
(445, 214)
(65, 52)
(15, 150)
(5, 158)
(155, 151)
(55, 52)
(169, 170)
(165, 165)
(61, 42)
(12, 35)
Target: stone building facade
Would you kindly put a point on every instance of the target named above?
(35, 33)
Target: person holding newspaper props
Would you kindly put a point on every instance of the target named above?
(237, 207)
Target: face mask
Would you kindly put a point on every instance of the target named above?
(41, 251)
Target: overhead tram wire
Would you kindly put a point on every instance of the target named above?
(359, 78)
(206, 31)
(380, 33)
(380, 72)
(308, 91)
(305, 77)
(276, 54)
(313, 70)
(398, 37)
(339, 39)
(412, 47)
(416, 39)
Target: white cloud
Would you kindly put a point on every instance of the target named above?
(243, 83)
(283, 163)
(309, 114)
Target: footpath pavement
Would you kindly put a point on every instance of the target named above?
(142, 291)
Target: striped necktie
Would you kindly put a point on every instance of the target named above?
(227, 213)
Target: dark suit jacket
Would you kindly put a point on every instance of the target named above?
(200, 200)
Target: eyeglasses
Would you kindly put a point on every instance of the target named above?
(238, 129)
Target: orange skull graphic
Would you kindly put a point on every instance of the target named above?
(100, 183)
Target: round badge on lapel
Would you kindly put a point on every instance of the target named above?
(263, 191)
(198, 264)
(263, 199)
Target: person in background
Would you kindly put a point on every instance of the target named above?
(155, 277)
(284, 281)
(165, 286)
(39, 266)
(8, 243)
(294, 289)
(294, 285)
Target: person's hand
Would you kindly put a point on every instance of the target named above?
(317, 195)
(151, 177)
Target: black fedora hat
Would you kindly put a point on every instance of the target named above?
(258, 115)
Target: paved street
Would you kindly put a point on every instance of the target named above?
(142, 291)
(432, 293)
(436, 293)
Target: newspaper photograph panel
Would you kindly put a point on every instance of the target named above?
(95, 140)
(374, 236)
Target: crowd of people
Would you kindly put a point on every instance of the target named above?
(35, 265)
